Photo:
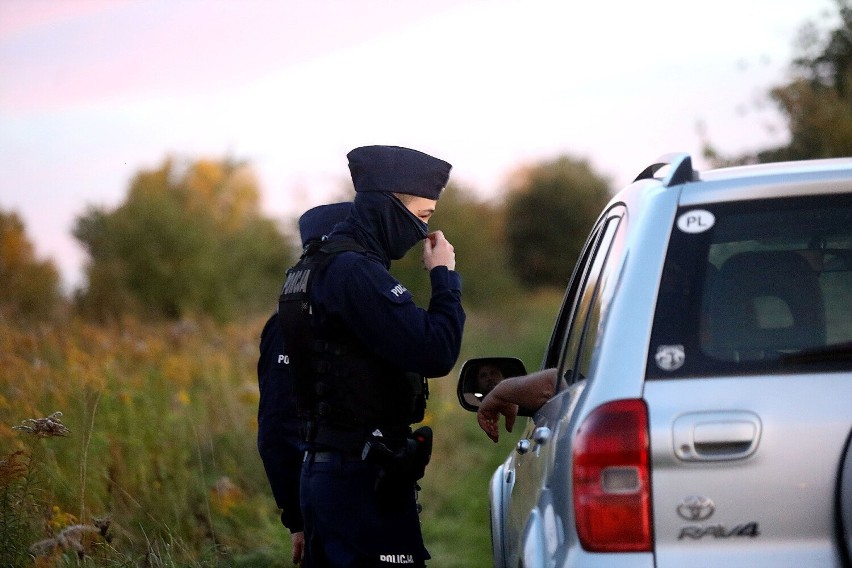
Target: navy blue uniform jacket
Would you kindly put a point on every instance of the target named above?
(278, 439)
(357, 288)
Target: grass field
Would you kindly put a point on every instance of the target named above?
(160, 452)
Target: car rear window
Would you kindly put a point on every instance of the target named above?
(755, 287)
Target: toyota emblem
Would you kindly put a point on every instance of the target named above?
(696, 508)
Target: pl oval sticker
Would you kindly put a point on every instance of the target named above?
(696, 221)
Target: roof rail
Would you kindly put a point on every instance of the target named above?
(681, 169)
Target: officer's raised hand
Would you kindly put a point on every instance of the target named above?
(437, 251)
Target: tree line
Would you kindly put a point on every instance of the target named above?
(816, 104)
(189, 239)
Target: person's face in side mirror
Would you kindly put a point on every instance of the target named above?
(488, 376)
(479, 376)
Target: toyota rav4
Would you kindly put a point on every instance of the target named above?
(703, 360)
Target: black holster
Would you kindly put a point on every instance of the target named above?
(405, 465)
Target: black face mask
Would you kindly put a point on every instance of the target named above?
(388, 223)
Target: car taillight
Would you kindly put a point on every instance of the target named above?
(612, 490)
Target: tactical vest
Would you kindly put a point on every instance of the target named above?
(343, 391)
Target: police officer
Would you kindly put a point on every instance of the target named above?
(361, 348)
(279, 432)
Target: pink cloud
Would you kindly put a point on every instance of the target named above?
(22, 16)
(56, 54)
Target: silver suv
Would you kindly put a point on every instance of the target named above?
(703, 355)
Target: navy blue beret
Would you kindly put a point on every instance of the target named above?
(398, 170)
(320, 220)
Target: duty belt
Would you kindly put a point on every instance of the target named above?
(325, 456)
(327, 436)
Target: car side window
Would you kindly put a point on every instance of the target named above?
(583, 307)
(560, 330)
(602, 295)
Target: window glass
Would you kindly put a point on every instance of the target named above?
(560, 329)
(604, 289)
(586, 313)
(757, 286)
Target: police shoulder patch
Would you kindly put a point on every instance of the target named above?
(397, 292)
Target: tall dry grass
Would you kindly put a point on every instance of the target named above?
(161, 439)
(155, 462)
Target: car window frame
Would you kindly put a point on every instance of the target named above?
(597, 248)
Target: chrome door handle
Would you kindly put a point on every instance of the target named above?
(716, 436)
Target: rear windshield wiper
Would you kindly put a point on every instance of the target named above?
(835, 352)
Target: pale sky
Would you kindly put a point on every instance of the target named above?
(92, 91)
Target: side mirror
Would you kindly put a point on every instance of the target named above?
(478, 376)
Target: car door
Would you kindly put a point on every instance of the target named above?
(749, 386)
(532, 528)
